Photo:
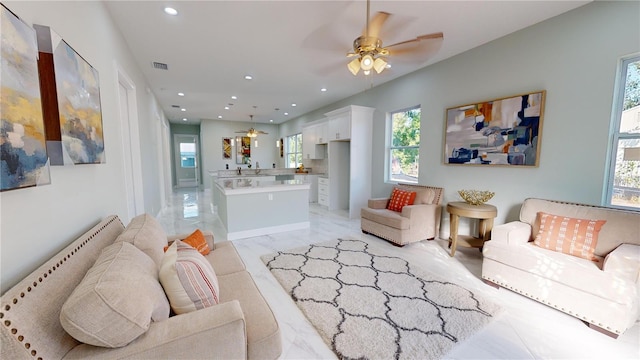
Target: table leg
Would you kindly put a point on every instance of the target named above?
(453, 232)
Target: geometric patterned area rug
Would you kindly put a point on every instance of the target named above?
(367, 305)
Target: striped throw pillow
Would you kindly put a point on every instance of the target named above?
(188, 279)
(577, 237)
(400, 198)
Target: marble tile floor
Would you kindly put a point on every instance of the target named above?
(525, 330)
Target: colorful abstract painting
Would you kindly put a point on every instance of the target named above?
(498, 132)
(23, 155)
(78, 91)
(243, 155)
(226, 148)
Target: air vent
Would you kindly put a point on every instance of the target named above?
(160, 66)
(175, 106)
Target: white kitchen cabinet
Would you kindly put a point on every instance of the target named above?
(314, 135)
(340, 127)
(323, 191)
(322, 133)
(349, 158)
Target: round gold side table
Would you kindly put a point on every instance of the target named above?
(485, 213)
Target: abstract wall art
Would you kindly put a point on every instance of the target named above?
(71, 102)
(243, 146)
(23, 155)
(226, 148)
(503, 132)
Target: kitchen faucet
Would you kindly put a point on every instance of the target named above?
(257, 168)
(239, 170)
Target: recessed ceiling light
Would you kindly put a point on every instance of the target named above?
(171, 11)
(184, 119)
(286, 113)
(180, 94)
(183, 109)
(388, 66)
(248, 77)
(270, 120)
(219, 116)
(226, 108)
(323, 89)
(234, 97)
(294, 105)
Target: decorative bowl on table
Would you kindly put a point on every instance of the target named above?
(476, 197)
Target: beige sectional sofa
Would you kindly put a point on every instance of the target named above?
(602, 293)
(417, 222)
(240, 326)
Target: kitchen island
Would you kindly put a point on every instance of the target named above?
(250, 207)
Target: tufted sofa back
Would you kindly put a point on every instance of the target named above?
(30, 312)
(622, 227)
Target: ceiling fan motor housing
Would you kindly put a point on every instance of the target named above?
(367, 44)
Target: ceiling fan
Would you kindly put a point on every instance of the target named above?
(252, 132)
(370, 53)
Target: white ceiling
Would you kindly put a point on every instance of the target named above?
(293, 48)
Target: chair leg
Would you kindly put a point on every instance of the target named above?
(491, 283)
(603, 331)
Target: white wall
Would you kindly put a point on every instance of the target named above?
(211, 134)
(38, 222)
(572, 56)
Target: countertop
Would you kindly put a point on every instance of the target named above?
(246, 186)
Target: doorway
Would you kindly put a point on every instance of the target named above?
(132, 163)
(186, 160)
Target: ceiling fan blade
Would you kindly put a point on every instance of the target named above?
(376, 24)
(436, 36)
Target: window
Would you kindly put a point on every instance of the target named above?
(404, 145)
(188, 155)
(294, 151)
(623, 184)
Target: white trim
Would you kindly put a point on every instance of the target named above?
(267, 230)
(132, 158)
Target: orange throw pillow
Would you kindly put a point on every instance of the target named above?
(400, 198)
(577, 237)
(197, 241)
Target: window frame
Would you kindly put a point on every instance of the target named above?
(390, 147)
(298, 155)
(614, 133)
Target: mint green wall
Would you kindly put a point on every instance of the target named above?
(572, 56)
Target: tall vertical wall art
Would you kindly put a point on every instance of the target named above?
(71, 102)
(23, 156)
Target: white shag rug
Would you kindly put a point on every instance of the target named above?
(367, 305)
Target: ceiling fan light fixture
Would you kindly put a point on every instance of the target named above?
(379, 65)
(366, 72)
(354, 66)
(367, 62)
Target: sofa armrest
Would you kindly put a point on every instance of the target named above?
(214, 332)
(379, 203)
(425, 218)
(511, 233)
(624, 262)
(208, 236)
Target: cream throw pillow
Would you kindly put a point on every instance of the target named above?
(117, 299)
(426, 196)
(146, 233)
(188, 279)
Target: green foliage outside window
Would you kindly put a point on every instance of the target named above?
(405, 145)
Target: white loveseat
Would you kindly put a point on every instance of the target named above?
(602, 293)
